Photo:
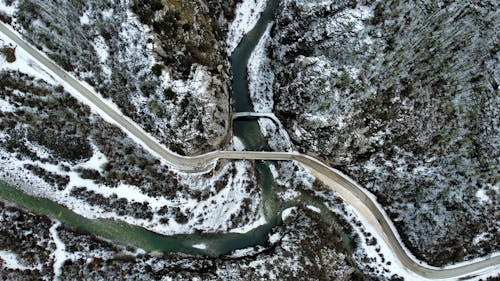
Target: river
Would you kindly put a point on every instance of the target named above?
(217, 244)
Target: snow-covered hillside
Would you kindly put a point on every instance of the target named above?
(403, 96)
(164, 65)
(53, 146)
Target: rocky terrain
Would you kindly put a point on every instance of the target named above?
(164, 63)
(403, 97)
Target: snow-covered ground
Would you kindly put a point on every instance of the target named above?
(106, 44)
(224, 200)
(315, 209)
(260, 76)
(11, 260)
(277, 137)
(287, 213)
(8, 9)
(24, 63)
(380, 255)
(211, 215)
(59, 255)
(247, 15)
(246, 228)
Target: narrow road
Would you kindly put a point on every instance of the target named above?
(352, 193)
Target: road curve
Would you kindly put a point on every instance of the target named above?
(352, 193)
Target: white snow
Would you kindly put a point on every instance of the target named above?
(274, 238)
(290, 172)
(8, 10)
(247, 251)
(28, 65)
(102, 51)
(217, 210)
(276, 135)
(84, 19)
(238, 144)
(24, 63)
(314, 209)
(482, 196)
(213, 214)
(11, 260)
(247, 14)
(480, 237)
(200, 246)
(354, 16)
(59, 255)
(260, 76)
(289, 195)
(106, 14)
(246, 228)
(287, 213)
(39, 150)
(95, 162)
(5, 106)
(381, 248)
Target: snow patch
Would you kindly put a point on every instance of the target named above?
(96, 162)
(246, 228)
(247, 252)
(106, 14)
(260, 76)
(8, 10)
(482, 196)
(24, 63)
(274, 238)
(314, 209)
(59, 255)
(480, 237)
(200, 246)
(11, 261)
(277, 137)
(238, 144)
(212, 214)
(29, 65)
(247, 14)
(39, 150)
(5, 106)
(84, 19)
(102, 51)
(287, 213)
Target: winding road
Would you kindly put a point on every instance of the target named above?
(361, 200)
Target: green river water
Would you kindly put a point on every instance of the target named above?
(217, 244)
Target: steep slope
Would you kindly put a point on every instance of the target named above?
(403, 96)
(163, 63)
